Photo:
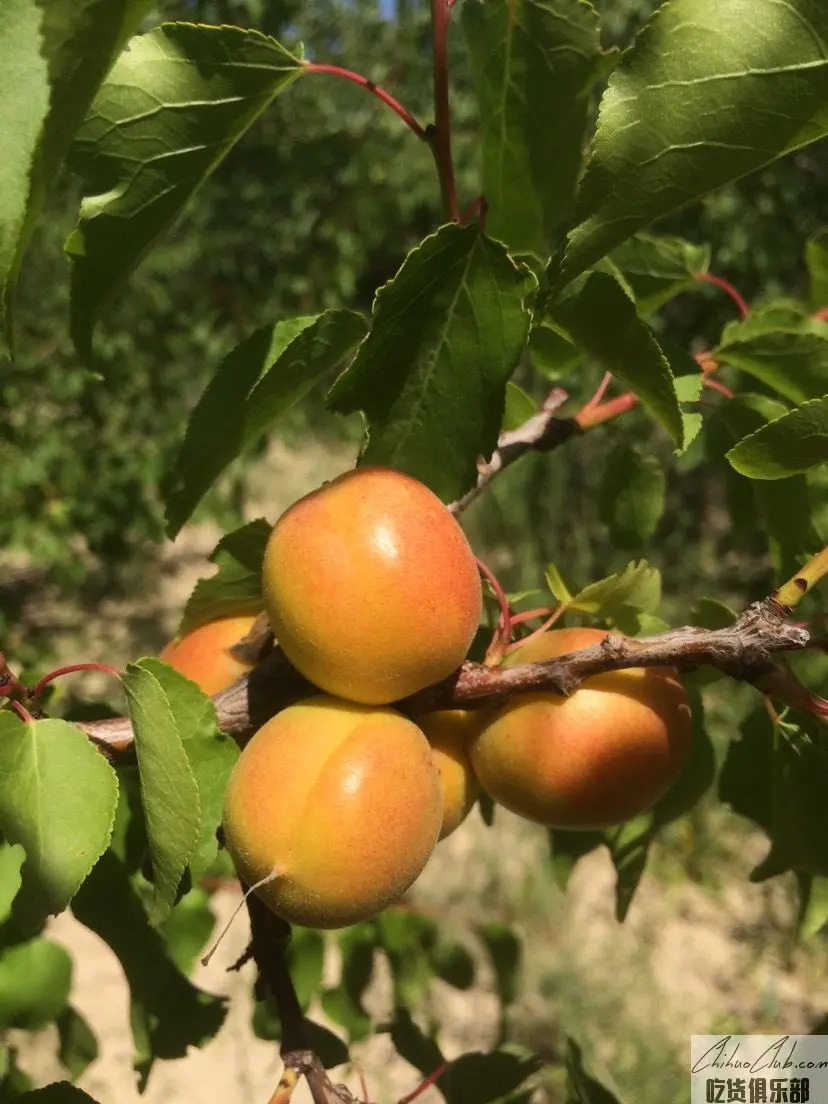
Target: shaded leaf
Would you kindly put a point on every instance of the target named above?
(78, 1044)
(61, 1092)
(188, 927)
(431, 375)
(813, 914)
(453, 964)
(600, 317)
(524, 54)
(477, 1078)
(418, 1049)
(704, 96)
(329, 1048)
(254, 385)
(552, 354)
(57, 798)
(795, 442)
(407, 939)
(505, 952)
(236, 587)
(344, 1003)
(631, 497)
(658, 268)
(169, 1014)
(12, 857)
(174, 104)
(566, 848)
(581, 1086)
(306, 959)
(519, 407)
(794, 362)
(816, 258)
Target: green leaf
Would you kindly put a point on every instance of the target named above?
(598, 315)
(505, 952)
(555, 582)
(566, 848)
(816, 258)
(519, 407)
(168, 1013)
(477, 1078)
(709, 92)
(236, 587)
(78, 1043)
(407, 939)
(184, 762)
(330, 1049)
(306, 960)
(524, 54)
(631, 499)
(621, 597)
(452, 963)
(12, 857)
(710, 613)
(79, 40)
(169, 791)
(24, 102)
(814, 911)
(581, 1086)
(418, 1049)
(254, 385)
(57, 798)
(187, 929)
(174, 104)
(35, 978)
(795, 442)
(431, 375)
(343, 1004)
(794, 362)
(552, 354)
(658, 268)
(61, 1092)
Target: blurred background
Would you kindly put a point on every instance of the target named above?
(317, 207)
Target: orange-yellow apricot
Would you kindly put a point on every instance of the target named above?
(342, 802)
(605, 754)
(371, 587)
(204, 655)
(450, 733)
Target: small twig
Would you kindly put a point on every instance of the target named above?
(375, 90)
(727, 288)
(540, 433)
(790, 594)
(439, 135)
(591, 416)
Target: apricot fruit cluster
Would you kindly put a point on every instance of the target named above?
(336, 804)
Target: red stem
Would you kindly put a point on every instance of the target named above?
(375, 90)
(44, 682)
(727, 288)
(548, 623)
(820, 315)
(503, 630)
(717, 385)
(22, 712)
(599, 394)
(605, 412)
(429, 1081)
(530, 615)
(440, 136)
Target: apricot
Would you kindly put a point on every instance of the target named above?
(450, 733)
(204, 655)
(592, 760)
(341, 802)
(371, 587)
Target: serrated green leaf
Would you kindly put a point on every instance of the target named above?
(631, 497)
(519, 407)
(254, 385)
(658, 268)
(35, 978)
(79, 40)
(795, 442)
(710, 91)
(598, 315)
(78, 1044)
(554, 580)
(168, 1013)
(169, 713)
(236, 587)
(794, 362)
(24, 103)
(523, 54)
(57, 799)
(816, 259)
(620, 597)
(431, 375)
(169, 791)
(174, 104)
(552, 354)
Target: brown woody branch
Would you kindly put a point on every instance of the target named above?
(744, 651)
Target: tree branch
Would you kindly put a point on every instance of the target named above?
(744, 651)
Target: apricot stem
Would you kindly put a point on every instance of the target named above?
(548, 623)
(71, 669)
(375, 90)
(503, 629)
(439, 135)
(727, 288)
(429, 1081)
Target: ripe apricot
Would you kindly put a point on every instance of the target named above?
(371, 587)
(204, 655)
(594, 759)
(342, 802)
(450, 733)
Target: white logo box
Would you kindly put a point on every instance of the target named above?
(759, 1069)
